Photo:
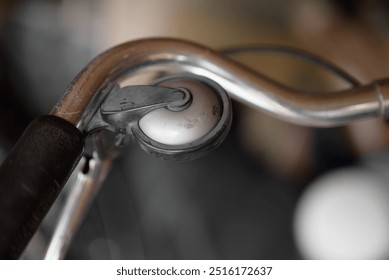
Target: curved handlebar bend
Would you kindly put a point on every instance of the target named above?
(242, 83)
(40, 163)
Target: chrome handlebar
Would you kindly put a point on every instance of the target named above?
(164, 57)
(320, 109)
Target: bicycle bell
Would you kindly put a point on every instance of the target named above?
(177, 117)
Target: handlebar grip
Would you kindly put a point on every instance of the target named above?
(31, 178)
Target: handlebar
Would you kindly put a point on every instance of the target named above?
(46, 154)
(319, 109)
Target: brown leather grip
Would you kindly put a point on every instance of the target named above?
(31, 178)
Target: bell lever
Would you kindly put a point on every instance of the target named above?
(125, 106)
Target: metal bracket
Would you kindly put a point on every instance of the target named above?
(125, 106)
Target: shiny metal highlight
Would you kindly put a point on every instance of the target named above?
(242, 83)
(169, 56)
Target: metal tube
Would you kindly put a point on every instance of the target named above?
(83, 97)
(76, 204)
(242, 83)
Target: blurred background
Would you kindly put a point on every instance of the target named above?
(272, 190)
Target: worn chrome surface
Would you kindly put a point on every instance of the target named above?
(76, 203)
(169, 56)
(178, 128)
(243, 84)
